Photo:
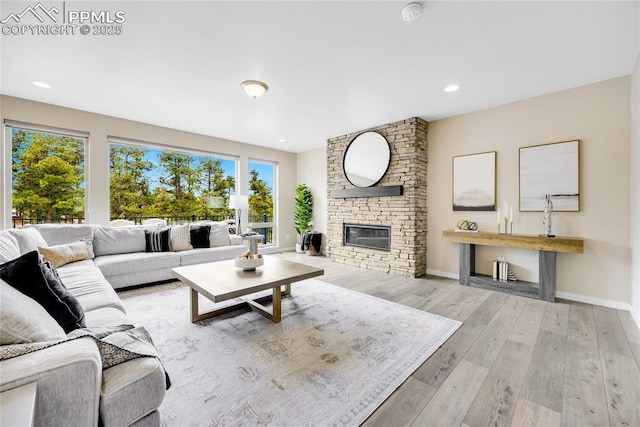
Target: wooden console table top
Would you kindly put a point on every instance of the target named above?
(527, 241)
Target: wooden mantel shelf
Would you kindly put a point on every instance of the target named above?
(572, 245)
(547, 248)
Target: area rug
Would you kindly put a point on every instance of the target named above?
(334, 358)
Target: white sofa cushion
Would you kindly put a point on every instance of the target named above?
(122, 240)
(23, 320)
(28, 239)
(9, 247)
(60, 234)
(85, 281)
(112, 265)
(199, 256)
(131, 391)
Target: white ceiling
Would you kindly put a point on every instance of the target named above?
(332, 67)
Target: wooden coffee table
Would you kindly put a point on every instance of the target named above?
(222, 281)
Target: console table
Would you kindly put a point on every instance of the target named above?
(547, 248)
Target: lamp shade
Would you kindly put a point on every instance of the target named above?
(237, 201)
(254, 88)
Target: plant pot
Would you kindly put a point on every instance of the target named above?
(299, 248)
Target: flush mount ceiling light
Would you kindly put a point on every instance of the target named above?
(254, 88)
(411, 12)
(42, 84)
(451, 88)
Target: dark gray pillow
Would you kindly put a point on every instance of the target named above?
(200, 236)
(26, 275)
(55, 284)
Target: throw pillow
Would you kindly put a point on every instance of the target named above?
(25, 274)
(157, 241)
(23, 320)
(219, 235)
(180, 238)
(64, 254)
(200, 236)
(55, 284)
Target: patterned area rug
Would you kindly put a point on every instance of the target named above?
(334, 358)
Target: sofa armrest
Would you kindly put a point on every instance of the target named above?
(69, 378)
(235, 240)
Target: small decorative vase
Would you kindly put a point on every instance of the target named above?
(548, 208)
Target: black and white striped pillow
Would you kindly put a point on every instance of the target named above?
(157, 240)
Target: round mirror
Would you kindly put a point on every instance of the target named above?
(366, 159)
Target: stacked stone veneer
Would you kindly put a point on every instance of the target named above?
(406, 214)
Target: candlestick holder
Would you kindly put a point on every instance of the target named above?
(510, 227)
(499, 228)
(506, 225)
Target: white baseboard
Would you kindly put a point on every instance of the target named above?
(275, 249)
(559, 294)
(593, 300)
(636, 317)
(443, 274)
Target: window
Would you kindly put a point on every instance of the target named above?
(262, 179)
(47, 175)
(152, 182)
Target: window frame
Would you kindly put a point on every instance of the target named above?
(6, 167)
(112, 139)
(276, 186)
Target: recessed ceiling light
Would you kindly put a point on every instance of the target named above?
(42, 84)
(282, 140)
(451, 88)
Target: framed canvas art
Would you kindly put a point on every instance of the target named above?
(474, 182)
(552, 169)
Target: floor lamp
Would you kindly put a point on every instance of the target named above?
(238, 202)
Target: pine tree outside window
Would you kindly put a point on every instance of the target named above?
(262, 196)
(149, 181)
(47, 175)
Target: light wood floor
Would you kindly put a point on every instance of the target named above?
(515, 361)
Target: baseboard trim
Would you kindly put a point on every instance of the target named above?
(275, 249)
(593, 300)
(559, 294)
(443, 274)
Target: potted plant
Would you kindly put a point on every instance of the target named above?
(303, 213)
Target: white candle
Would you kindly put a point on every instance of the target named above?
(511, 213)
(499, 219)
(506, 209)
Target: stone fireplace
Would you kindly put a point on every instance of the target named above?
(364, 219)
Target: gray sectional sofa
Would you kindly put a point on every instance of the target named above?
(72, 387)
(120, 252)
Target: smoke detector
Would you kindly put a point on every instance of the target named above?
(411, 12)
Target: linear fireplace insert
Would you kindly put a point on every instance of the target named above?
(367, 236)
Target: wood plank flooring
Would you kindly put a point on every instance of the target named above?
(515, 361)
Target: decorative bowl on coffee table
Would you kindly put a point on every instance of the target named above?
(249, 264)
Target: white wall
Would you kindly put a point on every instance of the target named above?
(100, 127)
(599, 116)
(635, 192)
(312, 171)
